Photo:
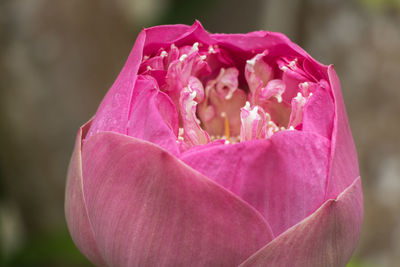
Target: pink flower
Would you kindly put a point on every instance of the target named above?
(216, 150)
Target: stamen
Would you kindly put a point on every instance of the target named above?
(250, 123)
(252, 61)
(195, 47)
(284, 66)
(305, 88)
(292, 63)
(257, 73)
(164, 54)
(226, 125)
(193, 133)
(211, 50)
(195, 84)
(296, 116)
(180, 134)
(227, 82)
(183, 57)
(205, 90)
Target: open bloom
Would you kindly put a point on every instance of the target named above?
(216, 150)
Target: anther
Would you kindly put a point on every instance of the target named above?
(292, 63)
(183, 57)
(211, 50)
(278, 98)
(195, 47)
(251, 61)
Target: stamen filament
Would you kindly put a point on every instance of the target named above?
(226, 125)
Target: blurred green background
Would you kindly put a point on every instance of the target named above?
(58, 58)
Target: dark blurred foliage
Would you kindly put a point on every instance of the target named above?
(58, 58)
(216, 16)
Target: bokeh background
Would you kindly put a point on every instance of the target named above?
(58, 58)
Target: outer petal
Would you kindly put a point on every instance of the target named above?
(283, 177)
(113, 112)
(327, 238)
(344, 164)
(149, 209)
(75, 206)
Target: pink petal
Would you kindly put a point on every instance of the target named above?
(326, 238)
(159, 75)
(76, 215)
(344, 163)
(165, 35)
(256, 42)
(149, 209)
(284, 177)
(113, 112)
(154, 63)
(319, 112)
(153, 115)
(315, 69)
(291, 80)
(197, 33)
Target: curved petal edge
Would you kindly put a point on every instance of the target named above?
(75, 206)
(344, 163)
(326, 238)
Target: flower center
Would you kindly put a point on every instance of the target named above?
(213, 106)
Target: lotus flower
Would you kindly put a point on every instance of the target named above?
(216, 150)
